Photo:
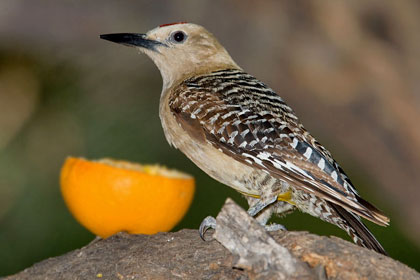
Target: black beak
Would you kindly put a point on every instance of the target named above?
(132, 39)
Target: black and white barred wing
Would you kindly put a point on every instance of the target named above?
(244, 119)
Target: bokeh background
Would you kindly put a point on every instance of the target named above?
(351, 70)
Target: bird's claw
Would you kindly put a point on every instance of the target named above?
(275, 227)
(207, 223)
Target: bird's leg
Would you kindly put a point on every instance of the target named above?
(260, 205)
(265, 212)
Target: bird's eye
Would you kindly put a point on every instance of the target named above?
(178, 37)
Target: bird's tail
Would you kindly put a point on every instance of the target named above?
(358, 231)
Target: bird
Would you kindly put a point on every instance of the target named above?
(243, 134)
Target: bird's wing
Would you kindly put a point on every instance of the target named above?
(244, 119)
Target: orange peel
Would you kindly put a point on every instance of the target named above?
(108, 196)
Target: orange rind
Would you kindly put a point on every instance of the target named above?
(108, 196)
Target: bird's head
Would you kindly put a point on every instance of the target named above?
(180, 50)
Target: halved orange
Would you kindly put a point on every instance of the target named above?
(108, 196)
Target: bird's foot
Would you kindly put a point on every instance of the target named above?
(210, 223)
(207, 223)
(274, 227)
(260, 205)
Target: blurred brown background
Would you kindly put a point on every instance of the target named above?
(350, 69)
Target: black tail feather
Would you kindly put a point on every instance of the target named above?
(360, 231)
(381, 218)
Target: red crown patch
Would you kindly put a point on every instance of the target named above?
(168, 24)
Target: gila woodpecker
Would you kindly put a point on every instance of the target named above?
(243, 134)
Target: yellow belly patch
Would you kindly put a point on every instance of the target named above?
(287, 196)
